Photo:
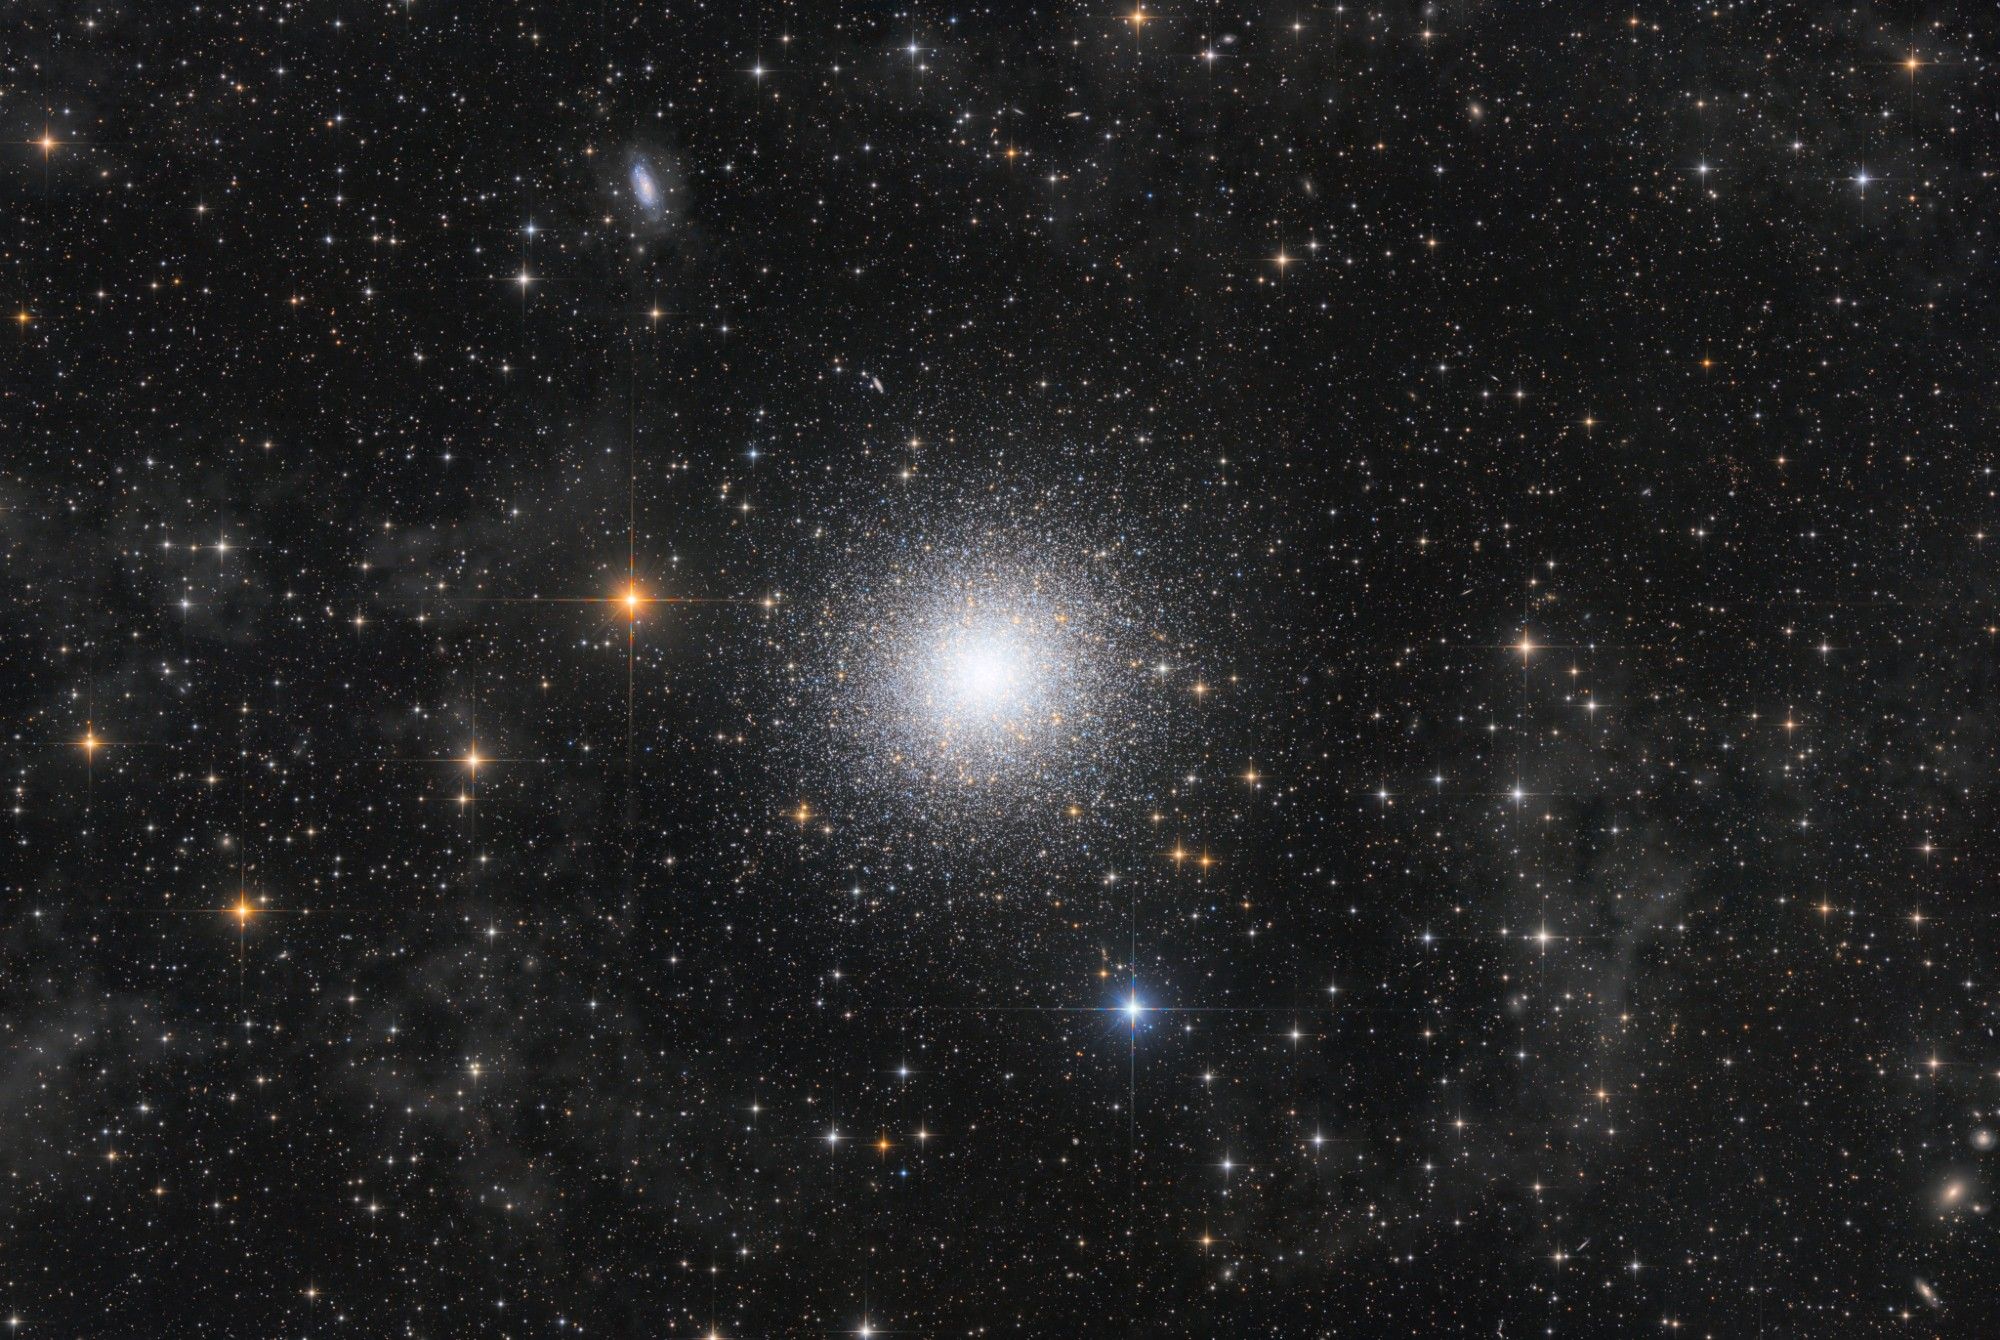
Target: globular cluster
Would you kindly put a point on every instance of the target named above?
(986, 665)
(1188, 669)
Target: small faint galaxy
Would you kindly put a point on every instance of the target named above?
(650, 189)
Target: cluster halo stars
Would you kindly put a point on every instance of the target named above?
(996, 667)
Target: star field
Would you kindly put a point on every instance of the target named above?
(843, 670)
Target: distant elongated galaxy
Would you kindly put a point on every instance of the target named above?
(650, 190)
(1141, 670)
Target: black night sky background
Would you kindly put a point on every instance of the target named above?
(686, 669)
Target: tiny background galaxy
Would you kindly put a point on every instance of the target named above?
(1053, 670)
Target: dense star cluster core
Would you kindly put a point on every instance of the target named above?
(1085, 670)
(979, 673)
